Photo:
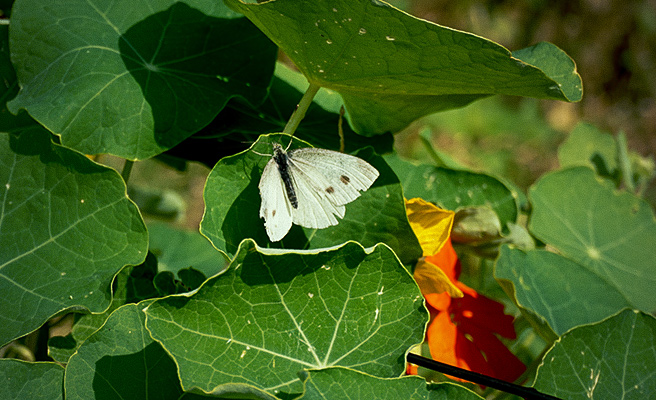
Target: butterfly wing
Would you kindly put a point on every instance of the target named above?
(327, 180)
(314, 209)
(275, 208)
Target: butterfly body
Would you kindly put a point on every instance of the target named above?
(309, 187)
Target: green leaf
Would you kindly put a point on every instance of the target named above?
(392, 68)
(232, 202)
(342, 383)
(272, 314)
(318, 127)
(455, 189)
(27, 380)
(177, 249)
(67, 229)
(132, 285)
(134, 79)
(610, 233)
(587, 145)
(121, 360)
(563, 293)
(8, 89)
(613, 359)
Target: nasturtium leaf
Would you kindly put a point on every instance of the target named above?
(66, 228)
(587, 145)
(610, 233)
(392, 68)
(342, 383)
(613, 359)
(232, 213)
(177, 249)
(131, 285)
(319, 126)
(134, 79)
(31, 380)
(272, 314)
(121, 360)
(8, 89)
(455, 189)
(560, 291)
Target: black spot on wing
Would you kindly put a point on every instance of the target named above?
(345, 179)
(273, 213)
(330, 190)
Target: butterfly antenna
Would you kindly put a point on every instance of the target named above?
(340, 129)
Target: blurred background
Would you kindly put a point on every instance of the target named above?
(614, 46)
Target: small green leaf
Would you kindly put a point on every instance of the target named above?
(27, 380)
(342, 383)
(587, 145)
(613, 359)
(67, 229)
(392, 68)
(232, 202)
(563, 293)
(610, 233)
(455, 189)
(272, 314)
(121, 360)
(134, 79)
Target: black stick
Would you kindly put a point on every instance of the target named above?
(526, 393)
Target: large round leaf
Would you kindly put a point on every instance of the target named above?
(613, 359)
(66, 228)
(611, 233)
(562, 292)
(133, 78)
(272, 314)
(392, 68)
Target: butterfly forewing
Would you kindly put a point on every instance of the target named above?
(344, 176)
(314, 210)
(275, 208)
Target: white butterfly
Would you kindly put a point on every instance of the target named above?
(309, 187)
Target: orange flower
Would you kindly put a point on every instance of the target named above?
(462, 330)
(464, 323)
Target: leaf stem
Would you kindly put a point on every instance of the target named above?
(439, 162)
(625, 162)
(127, 168)
(301, 108)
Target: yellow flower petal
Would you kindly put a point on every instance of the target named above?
(431, 224)
(431, 279)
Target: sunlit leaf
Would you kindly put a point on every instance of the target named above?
(392, 68)
(67, 227)
(610, 233)
(613, 359)
(560, 291)
(342, 383)
(272, 314)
